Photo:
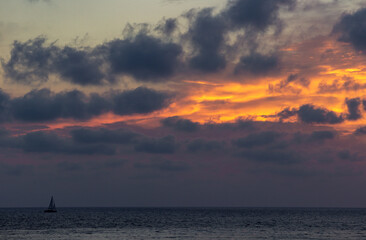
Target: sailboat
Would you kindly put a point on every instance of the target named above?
(51, 207)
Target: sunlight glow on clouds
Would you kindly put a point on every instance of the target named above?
(264, 92)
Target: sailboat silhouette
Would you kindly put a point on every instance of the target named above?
(51, 207)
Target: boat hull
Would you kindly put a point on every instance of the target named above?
(50, 211)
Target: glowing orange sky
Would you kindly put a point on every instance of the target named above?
(226, 99)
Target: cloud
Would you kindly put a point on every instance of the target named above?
(272, 156)
(351, 29)
(69, 166)
(42, 142)
(165, 145)
(316, 137)
(163, 165)
(77, 66)
(287, 113)
(180, 124)
(4, 105)
(257, 64)
(347, 84)
(96, 165)
(141, 100)
(257, 14)
(207, 36)
(209, 32)
(321, 135)
(257, 139)
(144, 57)
(15, 170)
(310, 114)
(284, 85)
(103, 135)
(353, 106)
(44, 105)
(360, 131)
(29, 61)
(112, 163)
(202, 145)
(80, 141)
(167, 26)
(33, 61)
(348, 155)
(161, 52)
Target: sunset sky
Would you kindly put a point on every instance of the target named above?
(183, 103)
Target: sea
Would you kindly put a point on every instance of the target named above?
(183, 223)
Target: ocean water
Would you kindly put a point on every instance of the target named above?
(183, 223)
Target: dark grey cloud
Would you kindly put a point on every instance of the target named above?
(351, 29)
(287, 113)
(281, 157)
(348, 84)
(198, 160)
(163, 165)
(202, 145)
(103, 135)
(285, 84)
(258, 14)
(167, 26)
(257, 139)
(69, 166)
(360, 131)
(239, 124)
(144, 57)
(140, 100)
(315, 137)
(4, 106)
(78, 66)
(15, 170)
(44, 105)
(207, 36)
(30, 61)
(113, 163)
(353, 106)
(103, 164)
(257, 64)
(34, 60)
(256, 17)
(180, 124)
(311, 114)
(348, 155)
(297, 79)
(321, 135)
(165, 145)
(42, 142)
(106, 165)
(364, 104)
(81, 141)
(208, 31)
(154, 53)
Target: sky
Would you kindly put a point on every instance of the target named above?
(183, 103)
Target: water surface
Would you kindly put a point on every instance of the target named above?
(183, 223)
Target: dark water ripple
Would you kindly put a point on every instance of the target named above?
(183, 223)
